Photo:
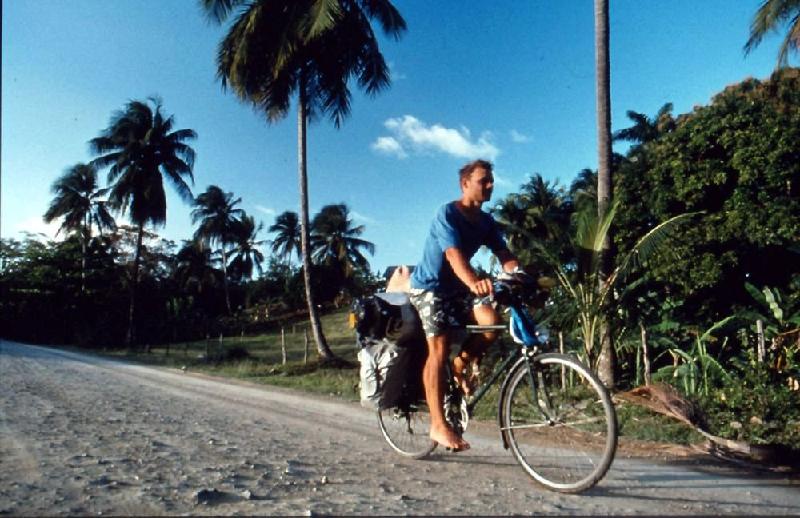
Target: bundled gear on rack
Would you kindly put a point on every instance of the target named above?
(392, 349)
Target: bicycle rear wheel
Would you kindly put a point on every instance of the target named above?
(562, 429)
(407, 429)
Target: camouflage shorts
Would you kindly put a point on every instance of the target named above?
(440, 313)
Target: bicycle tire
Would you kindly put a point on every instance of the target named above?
(572, 450)
(407, 430)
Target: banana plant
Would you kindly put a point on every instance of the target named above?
(696, 368)
(779, 316)
(586, 291)
(781, 320)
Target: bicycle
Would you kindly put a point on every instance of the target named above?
(554, 414)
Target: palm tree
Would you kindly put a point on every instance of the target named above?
(216, 212)
(246, 255)
(644, 128)
(194, 269)
(77, 201)
(141, 149)
(541, 209)
(276, 49)
(770, 16)
(336, 242)
(197, 276)
(604, 184)
(583, 191)
(288, 239)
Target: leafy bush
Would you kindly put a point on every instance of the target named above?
(756, 404)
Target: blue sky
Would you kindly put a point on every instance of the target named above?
(512, 81)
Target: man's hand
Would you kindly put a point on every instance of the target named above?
(482, 287)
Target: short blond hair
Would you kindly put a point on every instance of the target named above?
(467, 170)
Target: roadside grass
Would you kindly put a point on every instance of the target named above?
(259, 359)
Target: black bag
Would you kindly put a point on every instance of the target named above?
(392, 350)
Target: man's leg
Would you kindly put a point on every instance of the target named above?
(433, 379)
(475, 347)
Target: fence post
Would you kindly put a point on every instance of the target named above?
(645, 356)
(283, 345)
(761, 348)
(219, 348)
(208, 347)
(305, 346)
(561, 350)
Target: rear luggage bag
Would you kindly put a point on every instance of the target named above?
(392, 350)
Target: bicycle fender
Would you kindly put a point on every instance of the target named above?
(503, 390)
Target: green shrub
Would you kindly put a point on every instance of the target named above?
(756, 404)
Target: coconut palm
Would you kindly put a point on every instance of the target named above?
(194, 269)
(644, 128)
(604, 183)
(216, 213)
(287, 241)
(541, 209)
(336, 242)
(246, 256)
(141, 149)
(78, 202)
(276, 49)
(583, 191)
(772, 15)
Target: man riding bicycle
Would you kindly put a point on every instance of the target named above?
(448, 293)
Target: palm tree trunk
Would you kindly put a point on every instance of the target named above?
(323, 349)
(225, 279)
(84, 238)
(606, 365)
(131, 336)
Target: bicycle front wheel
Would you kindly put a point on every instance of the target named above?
(559, 422)
(407, 430)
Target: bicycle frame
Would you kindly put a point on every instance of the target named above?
(498, 370)
(505, 367)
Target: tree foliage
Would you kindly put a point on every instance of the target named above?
(737, 159)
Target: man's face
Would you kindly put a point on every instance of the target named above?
(478, 187)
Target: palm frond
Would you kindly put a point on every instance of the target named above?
(322, 16)
(717, 326)
(769, 18)
(217, 11)
(650, 244)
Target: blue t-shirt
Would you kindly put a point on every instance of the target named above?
(450, 228)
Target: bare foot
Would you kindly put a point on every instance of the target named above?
(448, 438)
(465, 372)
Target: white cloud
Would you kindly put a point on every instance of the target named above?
(500, 179)
(265, 210)
(394, 74)
(518, 137)
(360, 217)
(412, 135)
(390, 146)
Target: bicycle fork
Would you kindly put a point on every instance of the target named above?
(539, 397)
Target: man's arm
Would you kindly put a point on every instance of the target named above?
(466, 274)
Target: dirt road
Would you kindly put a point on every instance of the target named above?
(89, 436)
